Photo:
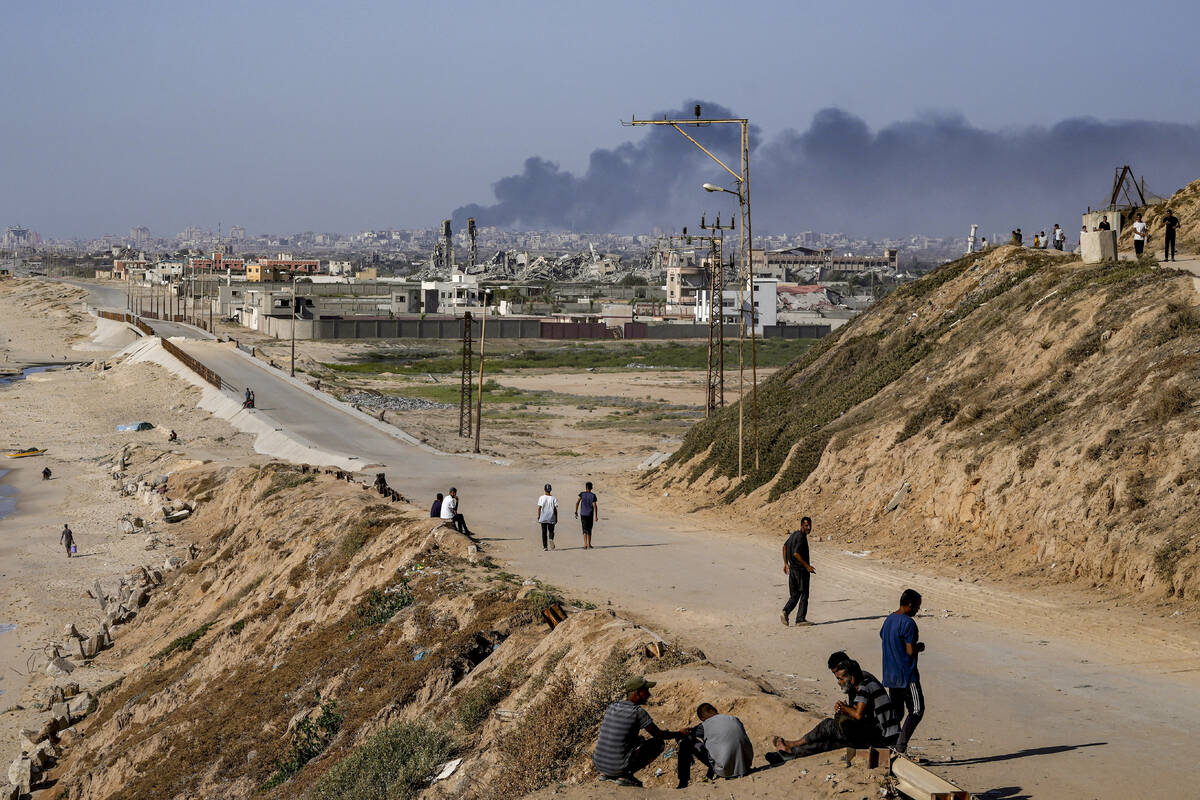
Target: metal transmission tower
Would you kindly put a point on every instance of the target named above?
(716, 315)
(746, 268)
(465, 408)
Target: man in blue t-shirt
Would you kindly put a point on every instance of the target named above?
(902, 679)
(587, 511)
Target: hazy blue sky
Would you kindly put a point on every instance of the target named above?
(337, 116)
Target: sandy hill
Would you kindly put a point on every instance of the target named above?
(1017, 412)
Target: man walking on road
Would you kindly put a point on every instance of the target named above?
(547, 516)
(1170, 223)
(797, 568)
(587, 511)
(67, 539)
(901, 645)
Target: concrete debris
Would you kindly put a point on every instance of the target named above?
(898, 498)
(446, 770)
(71, 632)
(21, 774)
(59, 667)
(43, 755)
(10, 792)
(654, 460)
(394, 403)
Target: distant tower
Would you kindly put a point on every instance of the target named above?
(971, 239)
(472, 252)
(447, 246)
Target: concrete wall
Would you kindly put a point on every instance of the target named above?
(1098, 246)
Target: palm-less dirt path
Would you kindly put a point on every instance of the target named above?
(1029, 696)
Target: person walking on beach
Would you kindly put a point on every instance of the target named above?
(902, 679)
(547, 516)
(67, 539)
(797, 568)
(587, 511)
(1170, 223)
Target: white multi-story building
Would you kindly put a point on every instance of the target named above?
(766, 292)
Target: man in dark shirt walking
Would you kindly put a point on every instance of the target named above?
(797, 568)
(901, 645)
(620, 749)
(67, 539)
(1170, 223)
(587, 511)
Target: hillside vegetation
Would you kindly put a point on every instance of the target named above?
(1020, 411)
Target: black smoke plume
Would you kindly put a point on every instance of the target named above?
(935, 174)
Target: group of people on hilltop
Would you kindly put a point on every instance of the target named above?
(1057, 239)
(875, 713)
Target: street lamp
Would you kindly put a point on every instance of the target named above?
(293, 325)
(745, 248)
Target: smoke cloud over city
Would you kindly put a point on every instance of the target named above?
(934, 174)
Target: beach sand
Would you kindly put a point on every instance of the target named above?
(74, 413)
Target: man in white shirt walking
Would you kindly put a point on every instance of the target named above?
(547, 515)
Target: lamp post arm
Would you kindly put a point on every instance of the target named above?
(737, 177)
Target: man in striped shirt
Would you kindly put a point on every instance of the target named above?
(620, 749)
(869, 719)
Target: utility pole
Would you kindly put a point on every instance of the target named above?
(479, 396)
(746, 268)
(465, 406)
(716, 315)
(293, 326)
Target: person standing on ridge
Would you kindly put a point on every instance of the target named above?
(587, 511)
(67, 539)
(547, 516)
(1139, 236)
(797, 567)
(901, 677)
(1170, 223)
(1060, 237)
(1104, 225)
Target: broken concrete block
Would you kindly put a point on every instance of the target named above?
(10, 792)
(20, 774)
(172, 562)
(59, 667)
(101, 598)
(106, 635)
(1098, 246)
(137, 599)
(26, 740)
(60, 710)
(69, 736)
(71, 632)
(898, 498)
(81, 705)
(79, 648)
(93, 645)
(43, 755)
(69, 689)
(156, 577)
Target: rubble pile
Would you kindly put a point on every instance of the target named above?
(394, 402)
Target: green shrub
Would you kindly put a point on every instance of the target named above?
(378, 606)
(394, 764)
(475, 704)
(283, 480)
(941, 406)
(1167, 555)
(311, 737)
(184, 642)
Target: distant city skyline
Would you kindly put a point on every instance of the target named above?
(874, 118)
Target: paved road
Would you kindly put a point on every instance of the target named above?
(1028, 697)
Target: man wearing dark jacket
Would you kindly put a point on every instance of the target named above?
(797, 567)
